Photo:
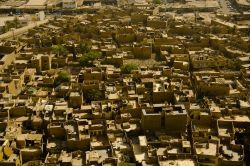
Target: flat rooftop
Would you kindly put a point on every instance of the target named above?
(36, 3)
(184, 162)
(209, 149)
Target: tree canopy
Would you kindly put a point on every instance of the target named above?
(87, 60)
(157, 1)
(59, 50)
(11, 24)
(93, 95)
(63, 76)
(84, 47)
(127, 68)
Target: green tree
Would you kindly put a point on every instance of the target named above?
(87, 60)
(126, 158)
(84, 47)
(136, 79)
(157, 1)
(93, 95)
(127, 68)
(62, 77)
(59, 50)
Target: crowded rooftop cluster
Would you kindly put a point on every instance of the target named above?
(127, 86)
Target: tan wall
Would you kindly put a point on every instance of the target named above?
(115, 61)
(151, 122)
(36, 63)
(138, 18)
(59, 62)
(161, 97)
(58, 132)
(75, 101)
(135, 113)
(156, 24)
(105, 34)
(143, 52)
(214, 90)
(13, 163)
(18, 111)
(175, 122)
(180, 65)
(183, 30)
(92, 76)
(209, 63)
(125, 38)
(88, 87)
(204, 42)
(46, 62)
(166, 41)
(7, 49)
(78, 145)
(31, 155)
(230, 163)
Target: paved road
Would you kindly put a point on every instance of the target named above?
(226, 7)
(19, 31)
